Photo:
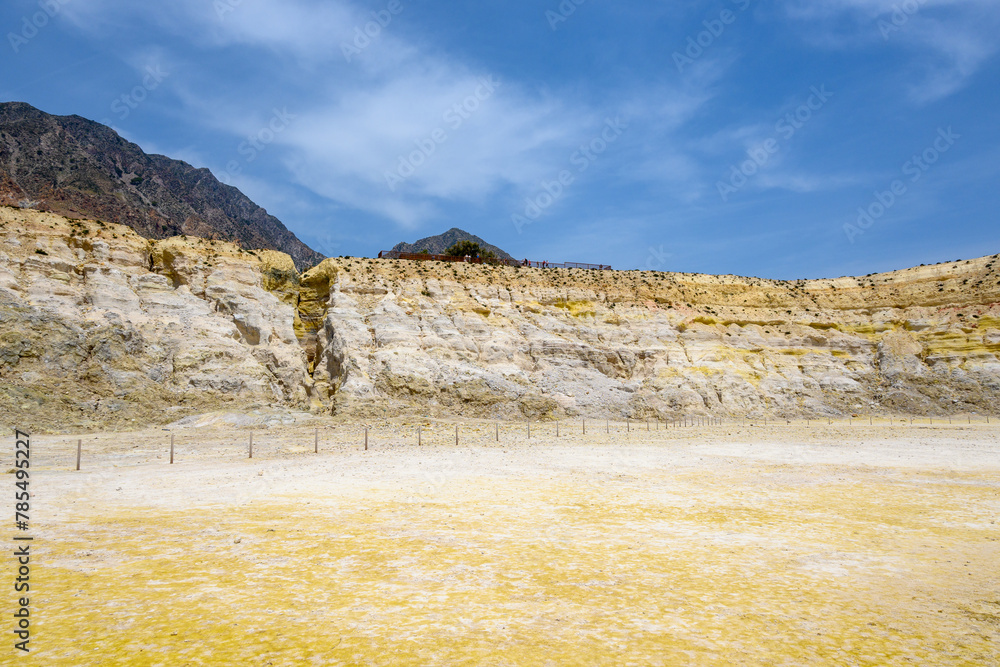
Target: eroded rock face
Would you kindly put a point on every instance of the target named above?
(100, 325)
(484, 341)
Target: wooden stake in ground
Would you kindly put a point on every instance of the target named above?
(456, 435)
(557, 429)
(419, 438)
(251, 444)
(366, 438)
(628, 426)
(529, 430)
(171, 448)
(585, 427)
(79, 446)
(498, 431)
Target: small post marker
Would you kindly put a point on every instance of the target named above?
(585, 426)
(171, 448)
(419, 438)
(79, 446)
(607, 426)
(316, 442)
(647, 424)
(456, 435)
(628, 426)
(251, 444)
(497, 425)
(366, 438)
(529, 430)
(557, 429)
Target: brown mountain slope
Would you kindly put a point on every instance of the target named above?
(81, 169)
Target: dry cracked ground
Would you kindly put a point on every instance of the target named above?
(790, 544)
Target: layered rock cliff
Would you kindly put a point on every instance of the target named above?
(101, 326)
(500, 341)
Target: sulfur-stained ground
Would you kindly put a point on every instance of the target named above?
(785, 545)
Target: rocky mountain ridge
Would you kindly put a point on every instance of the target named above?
(81, 169)
(438, 245)
(101, 326)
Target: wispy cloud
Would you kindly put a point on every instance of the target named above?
(357, 122)
(947, 41)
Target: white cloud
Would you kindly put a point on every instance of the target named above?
(947, 40)
(355, 121)
(503, 137)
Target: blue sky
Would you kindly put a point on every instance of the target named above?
(737, 136)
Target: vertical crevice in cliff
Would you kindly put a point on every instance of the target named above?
(313, 300)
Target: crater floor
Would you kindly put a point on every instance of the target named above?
(789, 544)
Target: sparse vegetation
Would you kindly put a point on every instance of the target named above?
(464, 249)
